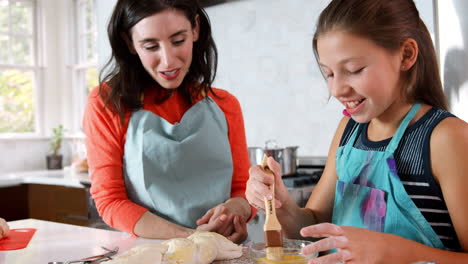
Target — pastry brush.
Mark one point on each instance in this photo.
(272, 227)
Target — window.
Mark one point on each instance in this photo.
(85, 71)
(18, 66)
(48, 65)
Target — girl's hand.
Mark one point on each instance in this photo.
(354, 245)
(4, 229)
(257, 186)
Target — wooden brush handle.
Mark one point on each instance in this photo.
(271, 221)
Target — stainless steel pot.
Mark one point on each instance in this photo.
(286, 157)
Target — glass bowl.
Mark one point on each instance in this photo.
(291, 248)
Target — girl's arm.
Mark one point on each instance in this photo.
(360, 245)
(320, 205)
(319, 208)
(449, 152)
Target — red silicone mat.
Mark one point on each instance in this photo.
(17, 239)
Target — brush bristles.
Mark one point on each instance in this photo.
(274, 244)
(274, 253)
(273, 238)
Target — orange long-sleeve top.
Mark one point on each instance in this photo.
(105, 140)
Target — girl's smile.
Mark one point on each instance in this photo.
(364, 77)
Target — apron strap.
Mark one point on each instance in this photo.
(357, 131)
(396, 138)
(402, 128)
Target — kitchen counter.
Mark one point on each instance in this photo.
(61, 242)
(49, 177)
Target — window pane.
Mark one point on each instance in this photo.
(4, 50)
(21, 18)
(90, 18)
(16, 101)
(91, 47)
(91, 79)
(21, 50)
(4, 16)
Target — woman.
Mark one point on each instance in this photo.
(394, 185)
(167, 152)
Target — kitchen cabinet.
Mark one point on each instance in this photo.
(55, 203)
(14, 202)
(58, 204)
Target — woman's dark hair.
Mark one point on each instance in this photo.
(124, 72)
(388, 24)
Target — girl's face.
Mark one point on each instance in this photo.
(364, 77)
(164, 43)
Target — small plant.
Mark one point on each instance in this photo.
(56, 139)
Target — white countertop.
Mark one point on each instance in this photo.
(62, 242)
(50, 177)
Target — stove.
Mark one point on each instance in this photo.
(301, 184)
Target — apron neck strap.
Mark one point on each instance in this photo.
(396, 138)
(402, 128)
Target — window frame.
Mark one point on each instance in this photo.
(36, 68)
(79, 66)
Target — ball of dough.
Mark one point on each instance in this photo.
(207, 250)
(180, 250)
(226, 248)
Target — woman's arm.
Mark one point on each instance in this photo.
(105, 139)
(153, 226)
(237, 205)
(238, 144)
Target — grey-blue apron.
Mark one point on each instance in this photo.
(179, 171)
(370, 194)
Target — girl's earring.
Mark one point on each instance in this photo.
(403, 67)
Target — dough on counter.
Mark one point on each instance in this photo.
(198, 248)
(180, 250)
(226, 249)
(141, 254)
(206, 248)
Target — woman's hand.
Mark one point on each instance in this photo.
(4, 229)
(354, 245)
(257, 186)
(228, 219)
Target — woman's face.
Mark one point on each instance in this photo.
(364, 77)
(164, 43)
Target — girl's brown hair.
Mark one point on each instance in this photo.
(388, 24)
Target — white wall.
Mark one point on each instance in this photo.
(266, 60)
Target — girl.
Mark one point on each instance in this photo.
(394, 186)
(158, 135)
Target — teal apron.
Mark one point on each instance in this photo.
(370, 194)
(179, 171)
